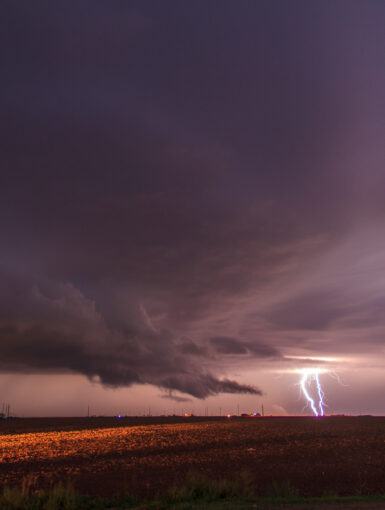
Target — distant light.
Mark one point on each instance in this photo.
(119, 416)
(229, 416)
(313, 373)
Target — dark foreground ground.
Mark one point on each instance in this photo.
(146, 456)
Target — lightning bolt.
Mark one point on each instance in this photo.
(304, 379)
(309, 374)
(320, 394)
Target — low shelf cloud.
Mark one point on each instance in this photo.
(53, 327)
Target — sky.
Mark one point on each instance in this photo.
(192, 205)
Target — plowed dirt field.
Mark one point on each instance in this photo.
(343, 455)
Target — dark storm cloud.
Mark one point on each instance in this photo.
(312, 310)
(189, 347)
(188, 170)
(176, 398)
(319, 310)
(228, 345)
(263, 350)
(49, 326)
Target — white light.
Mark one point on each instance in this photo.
(309, 374)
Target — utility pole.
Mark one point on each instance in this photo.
(238, 409)
(263, 411)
